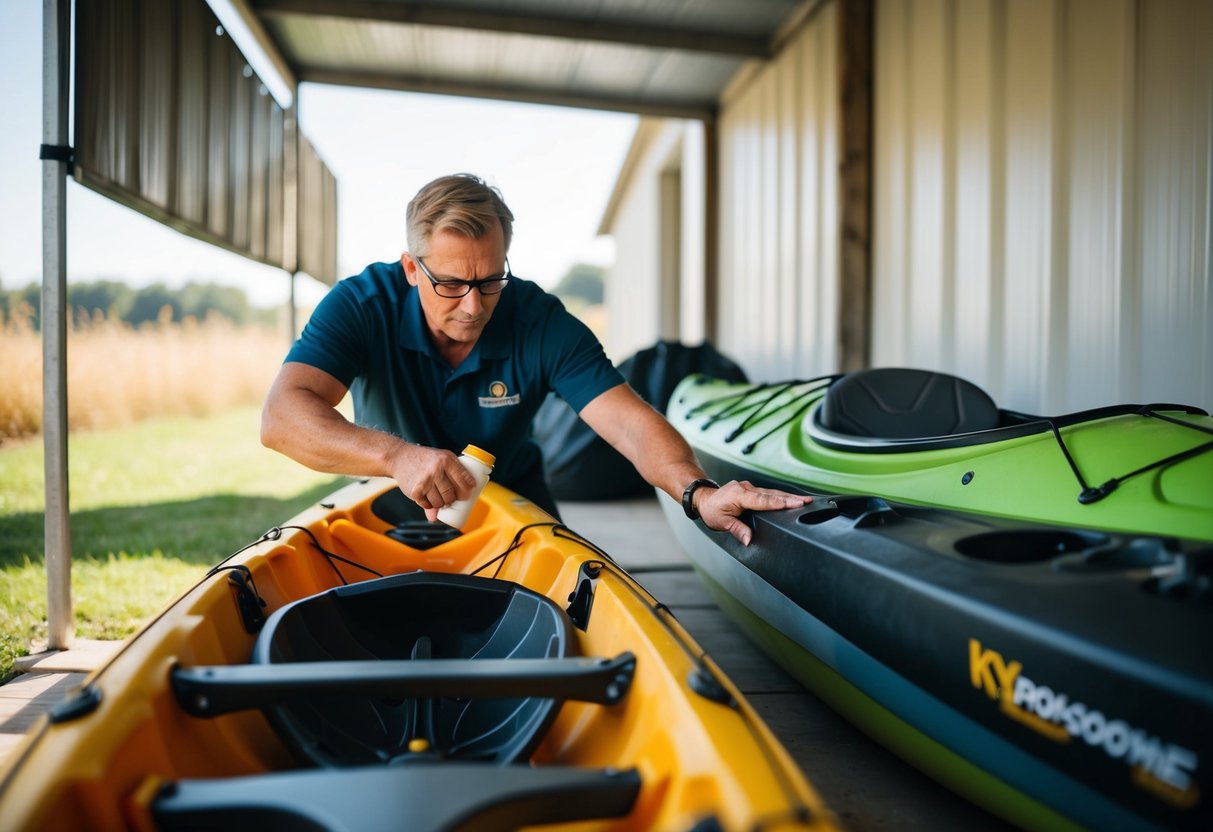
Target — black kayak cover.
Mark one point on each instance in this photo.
(581, 466)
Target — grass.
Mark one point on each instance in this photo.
(153, 505)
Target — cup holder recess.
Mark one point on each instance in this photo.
(1028, 545)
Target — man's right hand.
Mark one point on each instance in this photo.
(431, 478)
(300, 419)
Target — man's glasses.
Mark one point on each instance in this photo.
(459, 288)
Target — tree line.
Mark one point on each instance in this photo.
(137, 306)
(117, 301)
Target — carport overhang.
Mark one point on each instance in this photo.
(668, 58)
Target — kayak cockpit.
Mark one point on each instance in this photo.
(899, 410)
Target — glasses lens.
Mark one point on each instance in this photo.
(492, 287)
(451, 290)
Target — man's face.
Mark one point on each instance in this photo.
(457, 321)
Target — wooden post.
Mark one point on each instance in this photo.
(856, 42)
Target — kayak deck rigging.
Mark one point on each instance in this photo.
(756, 405)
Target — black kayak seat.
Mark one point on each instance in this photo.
(414, 616)
(423, 798)
(903, 403)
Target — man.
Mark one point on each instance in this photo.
(446, 347)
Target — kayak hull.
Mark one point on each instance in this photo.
(111, 757)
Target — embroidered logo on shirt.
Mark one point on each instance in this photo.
(499, 396)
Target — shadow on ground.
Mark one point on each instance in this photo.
(201, 531)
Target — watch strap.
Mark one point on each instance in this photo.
(688, 494)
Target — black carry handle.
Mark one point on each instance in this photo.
(219, 689)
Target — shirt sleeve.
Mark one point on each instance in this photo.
(578, 368)
(335, 337)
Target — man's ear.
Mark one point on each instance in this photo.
(410, 268)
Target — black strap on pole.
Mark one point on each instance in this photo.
(59, 153)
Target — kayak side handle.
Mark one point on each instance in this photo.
(211, 690)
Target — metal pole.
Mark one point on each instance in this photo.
(290, 209)
(56, 26)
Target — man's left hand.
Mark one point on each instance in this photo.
(721, 509)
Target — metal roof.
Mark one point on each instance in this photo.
(656, 57)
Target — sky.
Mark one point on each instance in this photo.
(555, 167)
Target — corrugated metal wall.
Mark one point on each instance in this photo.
(171, 121)
(655, 287)
(317, 226)
(1044, 178)
(779, 211)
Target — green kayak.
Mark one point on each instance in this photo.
(1021, 606)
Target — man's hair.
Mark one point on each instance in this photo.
(461, 202)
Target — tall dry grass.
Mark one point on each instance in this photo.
(117, 374)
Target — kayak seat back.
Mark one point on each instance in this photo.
(902, 403)
(420, 615)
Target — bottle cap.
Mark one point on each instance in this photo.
(480, 454)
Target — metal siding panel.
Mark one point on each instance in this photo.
(733, 128)
(329, 274)
(727, 214)
(275, 186)
(195, 29)
(808, 210)
(893, 185)
(157, 104)
(977, 60)
(219, 89)
(779, 156)
(107, 75)
(310, 200)
(747, 194)
(750, 256)
(1080, 191)
(1176, 114)
(767, 321)
(1099, 370)
(929, 111)
(691, 278)
(156, 130)
(240, 148)
(825, 28)
(259, 161)
(1031, 86)
(788, 75)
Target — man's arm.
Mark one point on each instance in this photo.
(666, 461)
(300, 419)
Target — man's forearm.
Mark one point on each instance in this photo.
(645, 438)
(313, 433)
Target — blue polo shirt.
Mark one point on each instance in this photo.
(369, 333)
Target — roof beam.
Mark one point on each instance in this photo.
(701, 110)
(547, 25)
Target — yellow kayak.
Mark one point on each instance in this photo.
(358, 668)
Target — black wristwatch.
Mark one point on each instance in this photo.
(688, 504)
